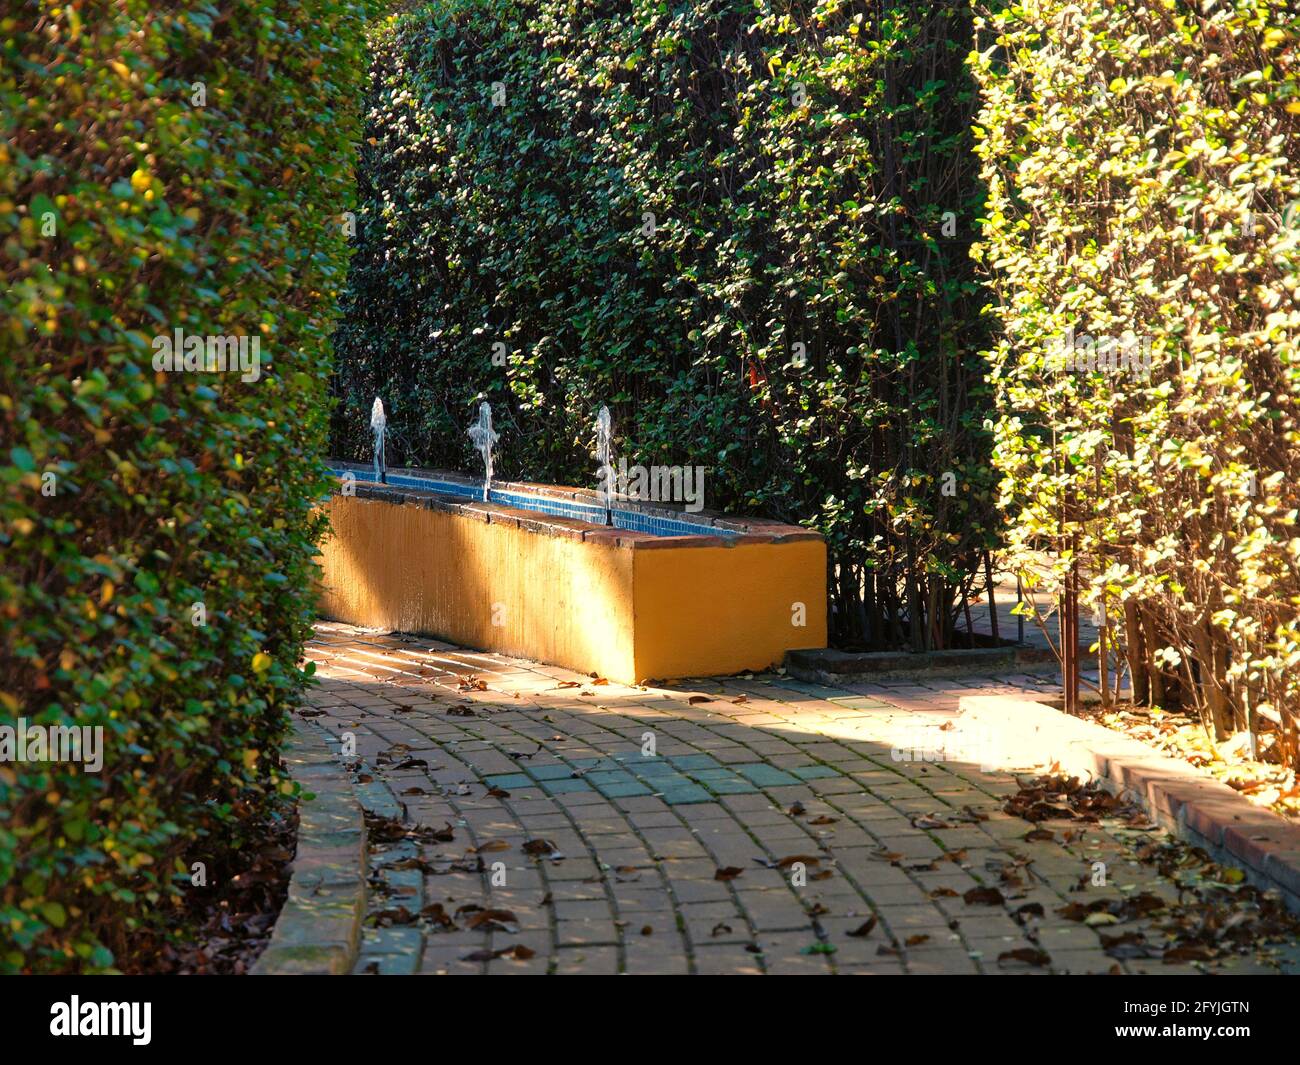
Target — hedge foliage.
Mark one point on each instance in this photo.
(162, 166)
(743, 226)
(1141, 160)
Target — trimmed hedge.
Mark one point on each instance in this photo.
(743, 227)
(1141, 160)
(161, 169)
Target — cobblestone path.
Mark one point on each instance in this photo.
(526, 818)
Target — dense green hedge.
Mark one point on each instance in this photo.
(178, 166)
(1142, 166)
(743, 226)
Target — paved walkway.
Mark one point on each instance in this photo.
(526, 818)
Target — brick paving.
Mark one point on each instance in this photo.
(750, 824)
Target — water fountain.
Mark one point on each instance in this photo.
(605, 456)
(484, 437)
(596, 581)
(379, 425)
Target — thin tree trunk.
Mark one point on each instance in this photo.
(1069, 631)
(1135, 651)
(1211, 687)
(1156, 674)
(993, 606)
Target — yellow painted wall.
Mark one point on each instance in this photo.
(417, 570)
(715, 610)
(626, 613)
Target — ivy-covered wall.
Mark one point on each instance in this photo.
(1143, 245)
(162, 167)
(744, 227)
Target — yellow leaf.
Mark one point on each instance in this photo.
(261, 662)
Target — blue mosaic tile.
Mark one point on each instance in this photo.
(549, 772)
(653, 767)
(672, 780)
(509, 780)
(687, 793)
(765, 776)
(564, 787)
(712, 774)
(814, 772)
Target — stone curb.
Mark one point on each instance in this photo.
(1199, 809)
(825, 665)
(318, 931)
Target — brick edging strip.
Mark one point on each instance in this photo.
(319, 928)
(1197, 808)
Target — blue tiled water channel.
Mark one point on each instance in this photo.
(632, 520)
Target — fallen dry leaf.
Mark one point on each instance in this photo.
(541, 848)
(983, 896)
(518, 951)
(1028, 955)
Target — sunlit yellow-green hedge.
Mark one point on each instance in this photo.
(1143, 165)
(162, 167)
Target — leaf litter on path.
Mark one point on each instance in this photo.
(1215, 913)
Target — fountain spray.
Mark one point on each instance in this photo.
(605, 456)
(484, 437)
(379, 425)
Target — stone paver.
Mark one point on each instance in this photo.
(529, 819)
